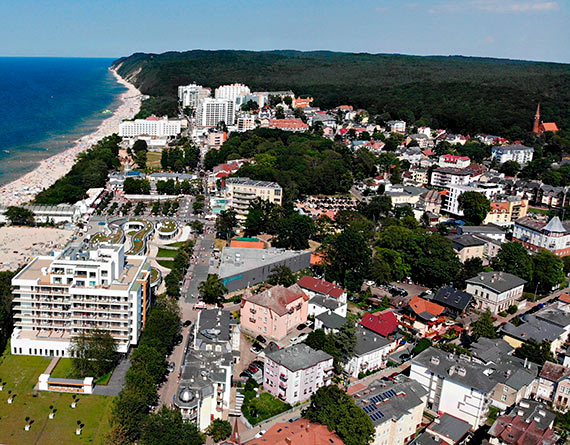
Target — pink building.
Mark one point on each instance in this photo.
(274, 312)
(295, 373)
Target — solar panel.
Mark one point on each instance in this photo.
(368, 409)
(376, 415)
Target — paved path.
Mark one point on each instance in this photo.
(529, 305)
(117, 381)
(198, 270)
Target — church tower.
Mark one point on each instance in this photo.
(536, 124)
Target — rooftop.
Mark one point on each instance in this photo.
(300, 432)
(554, 371)
(297, 357)
(497, 281)
(368, 341)
(451, 427)
(383, 322)
(425, 309)
(463, 241)
(534, 328)
(507, 148)
(555, 316)
(488, 350)
(252, 183)
(213, 326)
(331, 320)
(540, 225)
(319, 286)
(277, 298)
(453, 298)
(237, 260)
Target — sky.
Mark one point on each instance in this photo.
(515, 29)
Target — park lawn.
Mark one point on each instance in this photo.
(153, 159)
(265, 406)
(64, 369)
(166, 253)
(166, 263)
(20, 374)
(537, 210)
(176, 244)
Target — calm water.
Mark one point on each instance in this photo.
(47, 103)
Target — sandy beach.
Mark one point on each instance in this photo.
(49, 170)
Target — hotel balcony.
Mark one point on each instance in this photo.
(283, 386)
(283, 377)
(282, 396)
(252, 310)
(252, 319)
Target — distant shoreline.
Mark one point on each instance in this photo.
(49, 170)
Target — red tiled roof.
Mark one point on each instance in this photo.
(550, 126)
(296, 124)
(554, 371)
(449, 157)
(564, 298)
(428, 152)
(300, 432)
(277, 298)
(515, 430)
(247, 244)
(383, 323)
(320, 286)
(420, 306)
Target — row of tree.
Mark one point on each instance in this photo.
(6, 321)
(179, 266)
(181, 157)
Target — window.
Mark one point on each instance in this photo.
(504, 397)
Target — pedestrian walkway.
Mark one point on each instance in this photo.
(117, 381)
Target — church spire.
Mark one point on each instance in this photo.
(536, 124)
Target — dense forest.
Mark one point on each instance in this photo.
(463, 94)
(302, 163)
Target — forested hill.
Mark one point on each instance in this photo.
(464, 94)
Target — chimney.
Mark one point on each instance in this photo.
(288, 441)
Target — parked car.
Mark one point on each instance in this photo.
(253, 368)
(261, 339)
(258, 363)
(310, 323)
(293, 340)
(293, 419)
(178, 339)
(370, 283)
(302, 337)
(171, 366)
(186, 323)
(246, 374)
(256, 348)
(301, 326)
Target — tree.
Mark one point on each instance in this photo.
(282, 276)
(219, 430)
(332, 407)
(20, 216)
(279, 114)
(197, 226)
(483, 327)
(514, 258)
(212, 290)
(510, 168)
(470, 268)
(316, 339)
(548, 271)
(94, 353)
(346, 341)
(475, 207)
(167, 427)
(421, 346)
(226, 222)
(294, 231)
(538, 353)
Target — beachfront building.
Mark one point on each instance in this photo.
(294, 374)
(213, 111)
(75, 291)
(191, 95)
(152, 126)
(241, 191)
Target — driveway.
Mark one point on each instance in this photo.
(116, 382)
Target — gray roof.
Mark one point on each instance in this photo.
(386, 401)
(534, 328)
(554, 316)
(517, 147)
(497, 281)
(453, 298)
(462, 241)
(449, 366)
(555, 225)
(512, 371)
(331, 320)
(329, 303)
(297, 357)
(213, 327)
(241, 259)
(451, 427)
(252, 183)
(481, 229)
(368, 341)
(488, 350)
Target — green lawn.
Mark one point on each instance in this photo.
(537, 210)
(166, 253)
(177, 244)
(138, 237)
(21, 374)
(153, 159)
(154, 274)
(166, 263)
(64, 369)
(263, 407)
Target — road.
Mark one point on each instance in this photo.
(528, 306)
(199, 267)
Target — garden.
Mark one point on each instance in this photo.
(257, 409)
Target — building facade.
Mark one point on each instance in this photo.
(231, 92)
(517, 153)
(538, 235)
(241, 191)
(155, 127)
(451, 200)
(293, 374)
(495, 291)
(75, 291)
(191, 95)
(449, 160)
(213, 111)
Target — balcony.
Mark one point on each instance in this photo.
(252, 310)
(283, 377)
(252, 319)
(283, 386)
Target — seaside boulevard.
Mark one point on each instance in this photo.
(51, 169)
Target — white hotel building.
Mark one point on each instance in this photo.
(191, 95)
(213, 111)
(58, 297)
(154, 127)
(231, 92)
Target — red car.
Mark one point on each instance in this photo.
(253, 368)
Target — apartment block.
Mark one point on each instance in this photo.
(293, 374)
(191, 95)
(77, 290)
(241, 191)
(538, 235)
(213, 111)
(517, 153)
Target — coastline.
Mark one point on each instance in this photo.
(49, 170)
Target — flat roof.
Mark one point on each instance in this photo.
(239, 259)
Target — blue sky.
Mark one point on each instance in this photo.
(517, 29)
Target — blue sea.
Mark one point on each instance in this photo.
(47, 104)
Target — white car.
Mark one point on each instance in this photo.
(293, 340)
(302, 337)
(370, 283)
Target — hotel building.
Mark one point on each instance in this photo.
(75, 291)
(213, 111)
(241, 191)
(538, 235)
(157, 127)
(231, 92)
(191, 95)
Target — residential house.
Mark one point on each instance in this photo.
(514, 379)
(506, 210)
(495, 291)
(397, 126)
(274, 312)
(313, 286)
(423, 316)
(454, 300)
(486, 350)
(293, 374)
(431, 201)
(528, 423)
(448, 429)
(216, 330)
(538, 235)
(536, 329)
(299, 432)
(329, 322)
(455, 384)
(517, 153)
(558, 315)
(420, 176)
(449, 160)
(395, 409)
(371, 351)
(467, 246)
(320, 304)
(489, 231)
(384, 323)
(554, 385)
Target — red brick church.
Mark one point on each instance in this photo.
(539, 127)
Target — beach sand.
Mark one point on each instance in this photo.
(18, 245)
(49, 170)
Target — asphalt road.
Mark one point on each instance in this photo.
(198, 270)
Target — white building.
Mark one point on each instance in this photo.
(75, 291)
(495, 291)
(537, 235)
(320, 304)
(370, 353)
(451, 200)
(231, 92)
(518, 153)
(449, 160)
(455, 385)
(191, 95)
(241, 191)
(245, 123)
(155, 127)
(213, 111)
(446, 176)
(397, 126)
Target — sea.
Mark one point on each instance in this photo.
(47, 104)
